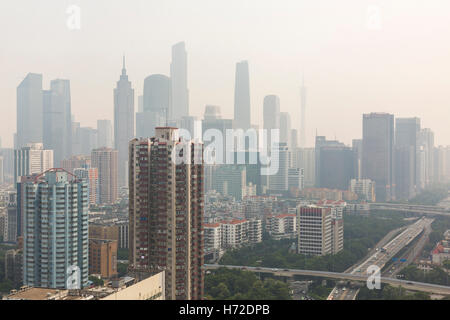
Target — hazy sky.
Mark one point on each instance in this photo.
(354, 60)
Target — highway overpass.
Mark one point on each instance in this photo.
(410, 285)
(413, 208)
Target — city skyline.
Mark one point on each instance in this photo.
(350, 68)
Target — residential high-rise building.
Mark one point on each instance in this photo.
(179, 103)
(104, 134)
(314, 230)
(166, 211)
(91, 175)
(378, 153)
(29, 110)
(407, 132)
(31, 159)
(106, 162)
(57, 125)
(364, 188)
(80, 161)
(242, 111)
(123, 122)
(55, 231)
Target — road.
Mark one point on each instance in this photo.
(409, 285)
(423, 210)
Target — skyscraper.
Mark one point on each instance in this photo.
(55, 217)
(31, 159)
(407, 132)
(166, 212)
(314, 229)
(179, 104)
(336, 167)
(378, 153)
(123, 121)
(303, 115)
(57, 132)
(285, 128)
(156, 100)
(29, 110)
(271, 112)
(104, 134)
(106, 161)
(242, 111)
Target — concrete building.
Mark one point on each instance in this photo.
(103, 257)
(407, 166)
(296, 178)
(57, 125)
(336, 167)
(213, 237)
(123, 123)
(279, 182)
(282, 225)
(31, 159)
(13, 267)
(364, 188)
(55, 231)
(91, 175)
(29, 111)
(378, 153)
(242, 112)
(166, 211)
(104, 134)
(230, 180)
(78, 161)
(179, 103)
(314, 230)
(106, 162)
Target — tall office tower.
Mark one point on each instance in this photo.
(378, 153)
(279, 182)
(55, 229)
(314, 230)
(212, 120)
(426, 141)
(293, 145)
(242, 111)
(31, 159)
(155, 111)
(166, 212)
(336, 167)
(123, 122)
(140, 103)
(192, 125)
(406, 151)
(271, 112)
(357, 157)
(285, 128)
(84, 139)
(106, 162)
(90, 175)
(296, 178)
(306, 159)
(29, 110)
(179, 103)
(104, 134)
(230, 180)
(322, 142)
(57, 131)
(8, 164)
(2, 175)
(303, 115)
